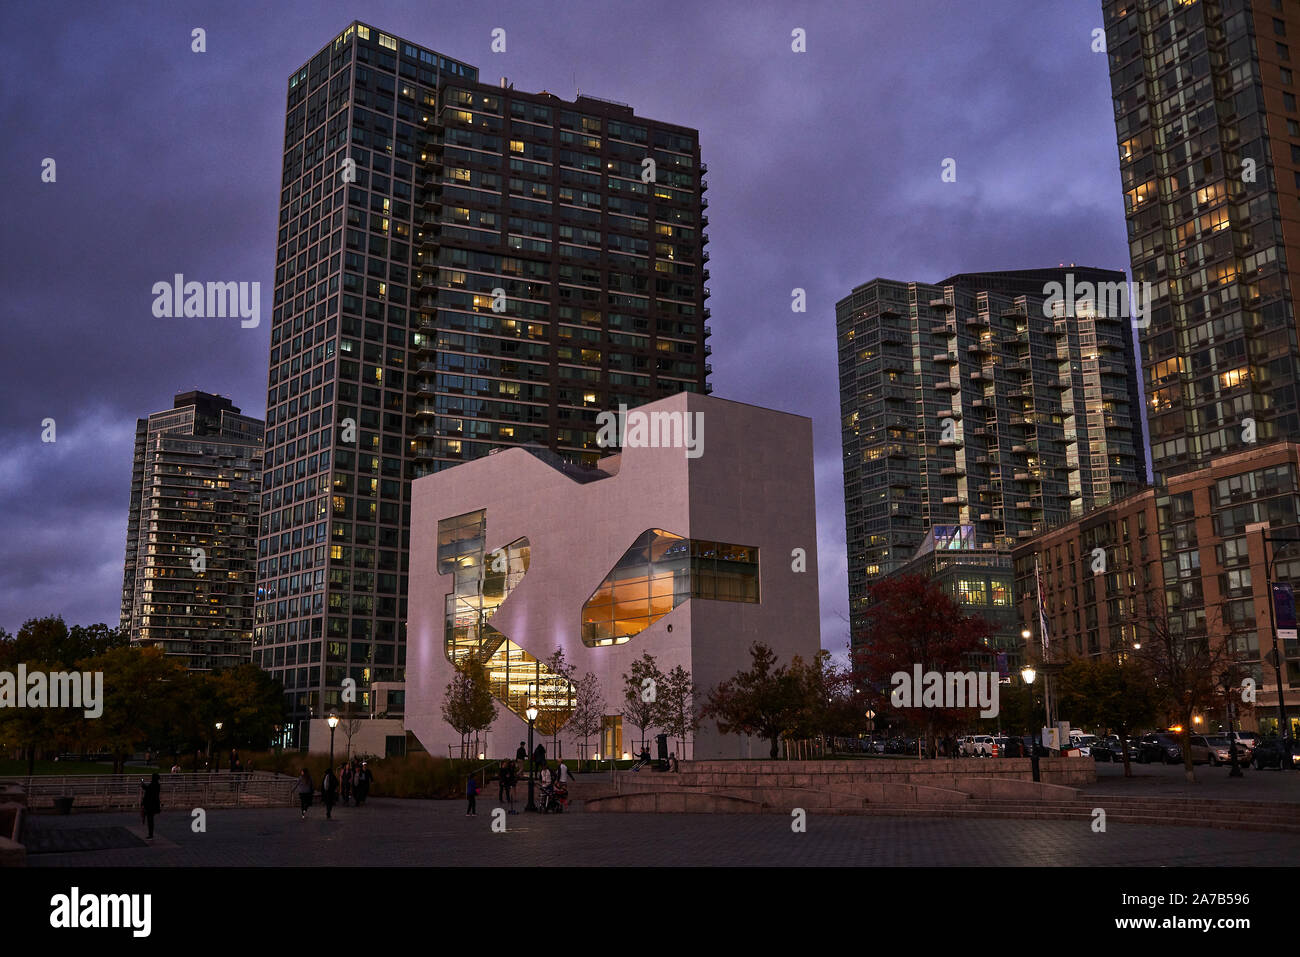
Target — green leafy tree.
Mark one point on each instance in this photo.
(250, 704)
(765, 701)
(139, 700)
(1116, 697)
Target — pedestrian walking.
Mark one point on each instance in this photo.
(471, 795)
(512, 776)
(305, 789)
(501, 781)
(539, 756)
(329, 791)
(345, 783)
(150, 801)
(361, 784)
(522, 754)
(562, 773)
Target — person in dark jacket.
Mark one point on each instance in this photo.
(345, 780)
(329, 791)
(471, 796)
(522, 754)
(361, 783)
(539, 757)
(512, 776)
(151, 801)
(305, 788)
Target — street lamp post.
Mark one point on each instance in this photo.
(333, 722)
(1028, 674)
(217, 759)
(532, 762)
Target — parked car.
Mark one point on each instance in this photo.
(1083, 743)
(1271, 751)
(1159, 747)
(1008, 747)
(1214, 749)
(1110, 748)
(1245, 739)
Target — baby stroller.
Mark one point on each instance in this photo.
(554, 797)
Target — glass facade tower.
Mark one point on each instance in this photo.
(460, 267)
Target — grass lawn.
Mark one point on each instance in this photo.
(18, 769)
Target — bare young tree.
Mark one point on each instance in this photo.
(588, 709)
(558, 697)
(641, 690)
(680, 712)
(467, 702)
(1186, 664)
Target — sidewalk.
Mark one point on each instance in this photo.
(1159, 780)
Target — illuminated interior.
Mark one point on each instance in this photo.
(480, 583)
(659, 572)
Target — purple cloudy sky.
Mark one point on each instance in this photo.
(824, 172)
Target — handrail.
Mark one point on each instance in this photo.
(122, 791)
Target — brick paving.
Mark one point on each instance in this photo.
(390, 832)
(1159, 780)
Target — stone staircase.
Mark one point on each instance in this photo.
(970, 797)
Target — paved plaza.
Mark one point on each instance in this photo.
(414, 833)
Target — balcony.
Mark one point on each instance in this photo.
(945, 358)
(944, 385)
(940, 304)
(983, 375)
(425, 409)
(952, 470)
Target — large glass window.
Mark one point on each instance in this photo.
(481, 582)
(659, 572)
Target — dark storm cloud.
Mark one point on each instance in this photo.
(824, 172)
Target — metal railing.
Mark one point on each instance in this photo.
(104, 792)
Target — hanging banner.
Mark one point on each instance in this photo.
(1284, 610)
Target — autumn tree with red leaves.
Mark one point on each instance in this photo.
(911, 620)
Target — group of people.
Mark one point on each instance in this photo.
(352, 783)
(508, 772)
